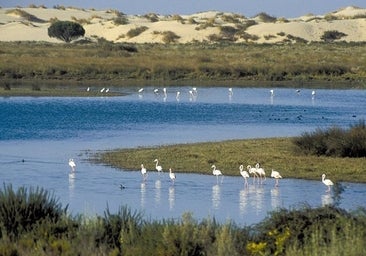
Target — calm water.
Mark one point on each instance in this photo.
(46, 132)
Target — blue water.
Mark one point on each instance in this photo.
(39, 135)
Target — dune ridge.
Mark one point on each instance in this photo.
(31, 24)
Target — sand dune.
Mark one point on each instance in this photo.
(31, 24)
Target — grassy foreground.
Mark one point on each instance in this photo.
(271, 153)
(33, 222)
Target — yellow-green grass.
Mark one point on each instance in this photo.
(271, 153)
(177, 62)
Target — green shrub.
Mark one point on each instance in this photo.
(332, 35)
(169, 37)
(66, 30)
(136, 31)
(295, 228)
(121, 228)
(21, 210)
(334, 141)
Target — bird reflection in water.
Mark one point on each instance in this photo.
(243, 200)
(216, 196)
(157, 191)
(171, 197)
(275, 198)
(257, 196)
(327, 199)
(143, 193)
(71, 184)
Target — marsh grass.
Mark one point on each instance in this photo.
(237, 62)
(271, 153)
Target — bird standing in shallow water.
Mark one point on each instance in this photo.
(327, 182)
(172, 175)
(276, 175)
(157, 166)
(216, 172)
(143, 172)
(72, 164)
(244, 174)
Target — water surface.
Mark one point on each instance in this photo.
(39, 135)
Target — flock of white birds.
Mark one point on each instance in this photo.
(257, 172)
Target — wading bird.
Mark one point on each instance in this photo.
(157, 166)
(72, 164)
(276, 175)
(172, 175)
(260, 171)
(216, 172)
(244, 174)
(327, 182)
(143, 172)
(253, 171)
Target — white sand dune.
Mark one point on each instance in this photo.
(31, 24)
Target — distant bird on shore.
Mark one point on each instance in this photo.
(141, 90)
(72, 164)
(102, 90)
(327, 182)
(272, 93)
(313, 93)
(276, 175)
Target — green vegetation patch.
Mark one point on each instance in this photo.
(271, 153)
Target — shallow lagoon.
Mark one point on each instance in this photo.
(46, 132)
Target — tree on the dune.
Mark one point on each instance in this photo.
(66, 30)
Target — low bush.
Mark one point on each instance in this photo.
(21, 210)
(334, 141)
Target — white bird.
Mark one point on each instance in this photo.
(156, 91)
(327, 182)
(231, 91)
(244, 174)
(276, 175)
(194, 90)
(157, 166)
(164, 91)
(107, 90)
(253, 171)
(272, 93)
(216, 172)
(143, 172)
(313, 93)
(171, 175)
(102, 90)
(72, 164)
(141, 90)
(260, 171)
(88, 89)
(178, 95)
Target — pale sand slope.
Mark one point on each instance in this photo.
(16, 26)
